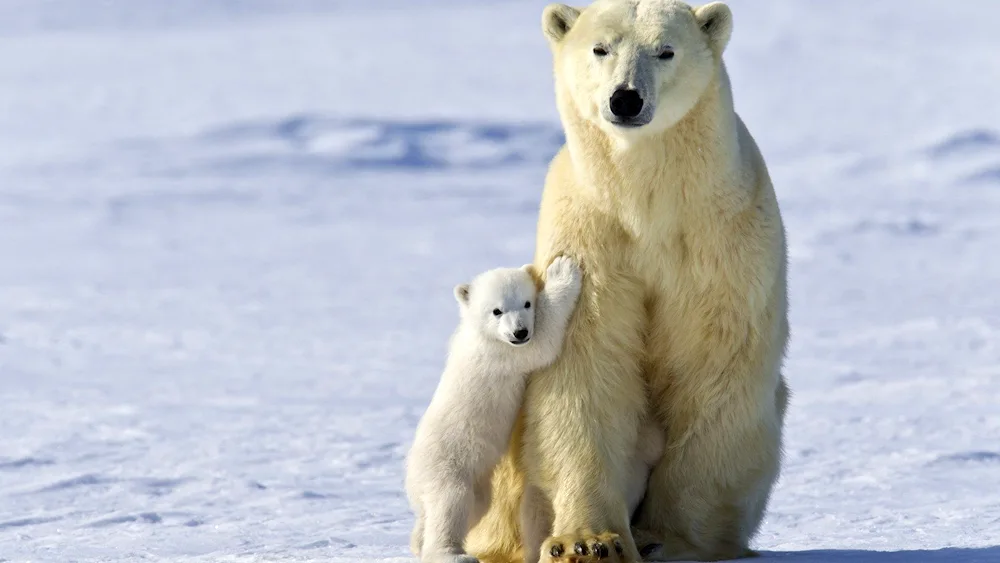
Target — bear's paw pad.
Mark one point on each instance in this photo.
(583, 548)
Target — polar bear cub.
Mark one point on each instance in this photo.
(508, 328)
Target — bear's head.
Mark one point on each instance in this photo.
(500, 303)
(635, 67)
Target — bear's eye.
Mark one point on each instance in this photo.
(497, 312)
(666, 54)
(600, 51)
(527, 304)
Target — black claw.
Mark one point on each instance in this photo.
(580, 548)
(557, 550)
(619, 548)
(646, 550)
(600, 550)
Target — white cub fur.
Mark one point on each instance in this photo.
(508, 329)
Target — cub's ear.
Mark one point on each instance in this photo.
(557, 19)
(716, 22)
(462, 294)
(535, 276)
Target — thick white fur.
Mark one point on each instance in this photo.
(682, 318)
(468, 424)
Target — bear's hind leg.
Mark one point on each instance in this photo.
(707, 495)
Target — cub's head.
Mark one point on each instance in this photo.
(635, 67)
(501, 304)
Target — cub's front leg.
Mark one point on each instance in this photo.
(556, 303)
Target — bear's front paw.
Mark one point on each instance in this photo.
(565, 272)
(584, 548)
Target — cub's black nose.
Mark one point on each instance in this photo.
(521, 333)
(626, 103)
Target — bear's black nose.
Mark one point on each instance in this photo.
(521, 333)
(626, 103)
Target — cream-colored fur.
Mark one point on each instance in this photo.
(683, 313)
(536, 508)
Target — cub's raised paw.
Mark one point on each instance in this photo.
(584, 548)
(563, 271)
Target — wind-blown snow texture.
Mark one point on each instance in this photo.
(229, 232)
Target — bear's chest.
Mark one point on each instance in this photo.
(698, 269)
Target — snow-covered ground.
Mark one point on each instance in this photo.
(229, 232)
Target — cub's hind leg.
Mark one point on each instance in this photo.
(446, 521)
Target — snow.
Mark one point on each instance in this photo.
(229, 233)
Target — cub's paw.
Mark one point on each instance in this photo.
(564, 271)
(584, 548)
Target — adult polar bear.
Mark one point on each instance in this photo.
(662, 195)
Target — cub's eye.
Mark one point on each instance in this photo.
(600, 51)
(497, 312)
(666, 54)
(527, 304)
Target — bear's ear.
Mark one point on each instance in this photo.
(462, 294)
(557, 19)
(716, 22)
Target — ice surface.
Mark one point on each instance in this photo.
(229, 232)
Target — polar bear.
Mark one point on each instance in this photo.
(507, 329)
(662, 192)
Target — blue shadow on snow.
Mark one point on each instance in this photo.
(946, 555)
